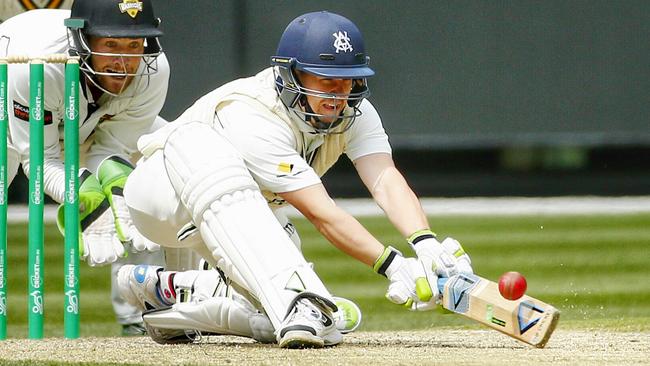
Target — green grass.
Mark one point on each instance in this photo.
(97, 317)
(595, 269)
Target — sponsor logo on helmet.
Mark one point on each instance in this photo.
(342, 42)
(131, 7)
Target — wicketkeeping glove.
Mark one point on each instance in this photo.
(112, 174)
(408, 283)
(98, 242)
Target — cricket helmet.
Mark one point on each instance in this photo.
(114, 19)
(326, 45)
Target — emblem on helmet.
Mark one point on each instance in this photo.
(342, 42)
(131, 7)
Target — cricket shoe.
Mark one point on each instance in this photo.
(348, 316)
(133, 329)
(140, 286)
(309, 324)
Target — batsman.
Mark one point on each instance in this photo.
(214, 181)
(123, 84)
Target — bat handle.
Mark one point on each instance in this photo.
(441, 283)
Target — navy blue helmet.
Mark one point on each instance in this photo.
(326, 45)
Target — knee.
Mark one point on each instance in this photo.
(203, 166)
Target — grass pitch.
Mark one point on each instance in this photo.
(594, 268)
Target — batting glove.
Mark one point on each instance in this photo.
(98, 242)
(463, 262)
(112, 174)
(439, 260)
(408, 283)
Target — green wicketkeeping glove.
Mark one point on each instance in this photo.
(98, 242)
(112, 174)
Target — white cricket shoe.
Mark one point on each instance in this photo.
(138, 285)
(308, 325)
(348, 316)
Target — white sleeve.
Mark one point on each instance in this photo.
(18, 98)
(367, 135)
(119, 134)
(268, 148)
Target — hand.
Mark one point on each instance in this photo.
(463, 262)
(408, 282)
(112, 174)
(98, 242)
(433, 255)
(124, 227)
(463, 265)
(439, 260)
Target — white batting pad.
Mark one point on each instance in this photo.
(235, 221)
(203, 166)
(220, 315)
(287, 225)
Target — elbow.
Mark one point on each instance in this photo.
(380, 189)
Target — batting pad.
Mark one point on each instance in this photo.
(235, 221)
(220, 315)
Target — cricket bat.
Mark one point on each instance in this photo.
(526, 319)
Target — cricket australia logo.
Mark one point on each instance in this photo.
(3, 111)
(342, 42)
(37, 112)
(71, 111)
(131, 7)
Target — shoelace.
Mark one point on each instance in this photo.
(306, 308)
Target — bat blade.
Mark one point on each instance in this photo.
(526, 319)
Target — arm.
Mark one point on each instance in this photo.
(18, 116)
(339, 227)
(119, 135)
(392, 193)
(346, 233)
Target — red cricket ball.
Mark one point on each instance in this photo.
(512, 285)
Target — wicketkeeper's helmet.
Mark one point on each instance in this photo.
(326, 45)
(114, 19)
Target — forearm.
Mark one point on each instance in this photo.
(53, 178)
(397, 200)
(349, 236)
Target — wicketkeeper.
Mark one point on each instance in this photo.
(123, 84)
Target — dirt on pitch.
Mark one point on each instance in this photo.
(443, 347)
